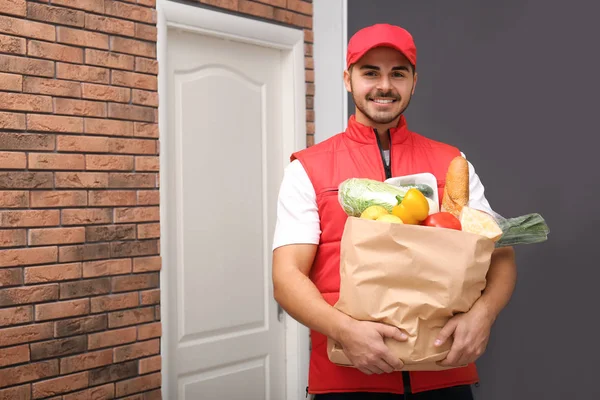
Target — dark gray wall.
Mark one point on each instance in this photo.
(514, 84)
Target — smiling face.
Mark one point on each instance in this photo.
(382, 83)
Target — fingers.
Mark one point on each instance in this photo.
(392, 332)
(446, 332)
(394, 362)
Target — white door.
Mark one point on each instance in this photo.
(223, 160)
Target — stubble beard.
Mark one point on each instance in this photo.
(384, 118)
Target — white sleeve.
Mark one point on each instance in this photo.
(477, 198)
(297, 213)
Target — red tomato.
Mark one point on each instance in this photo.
(443, 220)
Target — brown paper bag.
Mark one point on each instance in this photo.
(412, 277)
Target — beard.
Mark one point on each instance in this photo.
(379, 117)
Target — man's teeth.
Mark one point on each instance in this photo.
(383, 101)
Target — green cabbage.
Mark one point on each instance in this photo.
(356, 194)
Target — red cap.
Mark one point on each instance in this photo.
(381, 35)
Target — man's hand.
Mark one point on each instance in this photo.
(362, 342)
(471, 332)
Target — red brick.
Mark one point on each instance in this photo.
(276, 3)
(87, 287)
(145, 32)
(148, 197)
(145, 98)
(152, 3)
(139, 384)
(108, 59)
(38, 237)
(106, 267)
(129, 283)
(14, 355)
(109, 25)
(146, 264)
(29, 218)
(150, 364)
(146, 65)
(22, 27)
(81, 38)
(56, 161)
(300, 6)
(310, 115)
(54, 123)
(310, 89)
(227, 4)
(11, 277)
(86, 144)
(81, 180)
(58, 198)
(14, 199)
(25, 180)
(12, 160)
(16, 393)
(13, 237)
(108, 163)
(57, 15)
(13, 45)
(86, 216)
(132, 46)
(309, 63)
(130, 112)
(18, 141)
(149, 231)
(51, 273)
(79, 107)
(106, 93)
(136, 316)
(145, 130)
(28, 372)
(78, 326)
(149, 331)
(114, 302)
(24, 334)
(15, 315)
(135, 80)
(129, 11)
(52, 387)
(17, 257)
(86, 361)
(62, 309)
(26, 66)
(25, 102)
(54, 87)
(112, 338)
(134, 180)
(28, 294)
(106, 233)
(88, 5)
(96, 393)
(11, 82)
(112, 198)
(308, 36)
(132, 146)
(82, 73)
(84, 252)
(148, 297)
(108, 127)
(55, 51)
(136, 350)
(136, 214)
(257, 9)
(14, 7)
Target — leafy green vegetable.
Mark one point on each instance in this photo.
(356, 194)
(526, 229)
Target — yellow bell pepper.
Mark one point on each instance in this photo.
(413, 209)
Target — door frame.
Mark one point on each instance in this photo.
(195, 18)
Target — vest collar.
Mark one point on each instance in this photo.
(366, 134)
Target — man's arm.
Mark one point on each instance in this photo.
(471, 330)
(362, 341)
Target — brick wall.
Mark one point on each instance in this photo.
(79, 215)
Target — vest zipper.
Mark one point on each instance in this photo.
(387, 168)
(388, 175)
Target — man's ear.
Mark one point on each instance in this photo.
(414, 84)
(347, 80)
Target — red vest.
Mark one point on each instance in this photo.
(355, 154)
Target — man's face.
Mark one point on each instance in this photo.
(382, 83)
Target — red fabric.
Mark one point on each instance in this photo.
(381, 35)
(355, 154)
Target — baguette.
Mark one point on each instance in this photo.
(456, 190)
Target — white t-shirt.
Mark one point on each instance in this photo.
(297, 211)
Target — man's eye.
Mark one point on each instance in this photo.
(398, 75)
(370, 73)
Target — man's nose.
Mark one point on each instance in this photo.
(384, 84)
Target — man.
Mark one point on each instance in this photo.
(381, 75)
